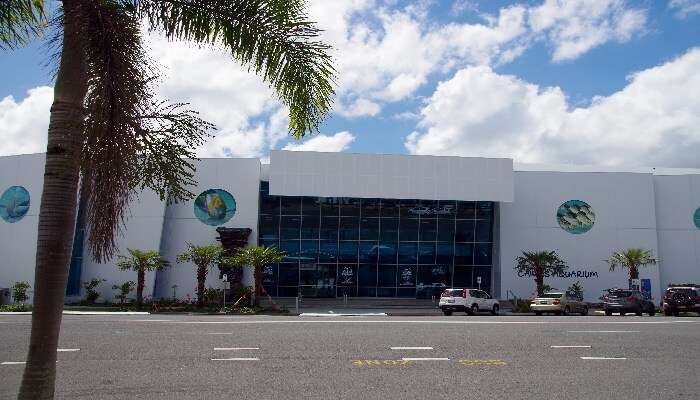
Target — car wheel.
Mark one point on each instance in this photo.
(494, 310)
(567, 311)
(668, 313)
(584, 312)
(538, 313)
(608, 312)
(676, 313)
(557, 313)
(652, 311)
(622, 313)
(474, 309)
(638, 312)
(447, 312)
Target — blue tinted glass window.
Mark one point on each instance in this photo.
(269, 227)
(369, 229)
(367, 275)
(464, 253)
(389, 229)
(328, 251)
(390, 208)
(406, 275)
(485, 274)
(290, 205)
(269, 273)
(447, 209)
(329, 206)
(408, 253)
(350, 207)
(309, 251)
(386, 292)
(409, 209)
(482, 254)
(432, 280)
(269, 205)
(289, 274)
(368, 252)
(406, 292)
(483, 231)
(269, 243)
(484, 210)
(289, 227)
(386, 275)
(310, 206)
(408, 229)
(310, 227)
(347, 275)
(347, 252)
(367, 291)
(290, 249)
(446, 230)
(462, 276)
(444, 253)
(349, 228)
(428, 230)
(466, 210)
(370, 207)
(329, 228)
(464, 231)
(387, 253)
(428, 209)
(426, 253)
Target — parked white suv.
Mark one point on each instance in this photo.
(470, 301)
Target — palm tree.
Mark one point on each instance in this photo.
(257, 257)
(540, 264)
(108, 131)
(141, 261)
(204, 257)
(632, 259)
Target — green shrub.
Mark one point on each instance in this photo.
(521, 305)
(15, 308)
(213, 296)
(19, 291)
(91, 295)
(124, 290)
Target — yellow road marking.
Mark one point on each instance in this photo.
(376, 363)
(464, 361)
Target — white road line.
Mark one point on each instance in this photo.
(424, 359)
(411, 348)
(603, 358)
(235, 348)
(67, 349)
(236, 359)
(421, 322)
(570, 347)
(13, 363)
(603, 331)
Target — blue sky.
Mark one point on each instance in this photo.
(580, 81)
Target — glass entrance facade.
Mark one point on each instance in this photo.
(375, 247)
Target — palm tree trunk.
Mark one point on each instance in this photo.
(56, 216)
(634, 272)
(201, 279)
(141, 279)
(539, 280)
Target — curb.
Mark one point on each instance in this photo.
(343, 315)
(84, 313)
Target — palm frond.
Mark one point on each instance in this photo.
(20, 21)
(272, 37)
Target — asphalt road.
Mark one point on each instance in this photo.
(458, 357)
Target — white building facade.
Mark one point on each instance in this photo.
(388, 225)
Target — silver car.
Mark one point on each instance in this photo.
(558, 303)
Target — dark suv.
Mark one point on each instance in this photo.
(627, 301)
(685, 297)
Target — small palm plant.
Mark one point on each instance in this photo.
(141, 261)
(124, 290)
(540, 264)
(257, 257)
(632, 259)
(204, 257)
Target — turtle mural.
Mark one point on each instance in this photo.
(214, 207)
(576, 217)
(14, 204)
(696, 218)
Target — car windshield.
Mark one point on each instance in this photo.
(452, 293)
(687, 291)
(551, 295)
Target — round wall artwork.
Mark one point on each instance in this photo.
(214, 207)
(697, 218)
(14, 203)
(576, 216)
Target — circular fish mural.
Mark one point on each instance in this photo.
(697, 218)
(214, 207)
(576, 216)
(14, 203)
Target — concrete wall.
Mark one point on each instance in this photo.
(677, 198)
(142, 231)
(241, 178)
(18, 239)
(624, 205)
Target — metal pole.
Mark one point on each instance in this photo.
(297, 304)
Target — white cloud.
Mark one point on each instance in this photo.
(335, 143)
(576, 26)
(654, 120)
(24, 124)
(685, 8)
(358, 108)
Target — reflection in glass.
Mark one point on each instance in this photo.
(290, 205)
(310, 227)
(349, 228)
(464, 231)
(408, 230)
(408, 253)
(289, 227)
(369, 229)
(387, 253)
(386, 275)
(426, 253)
(347, 252)
(389, 229)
